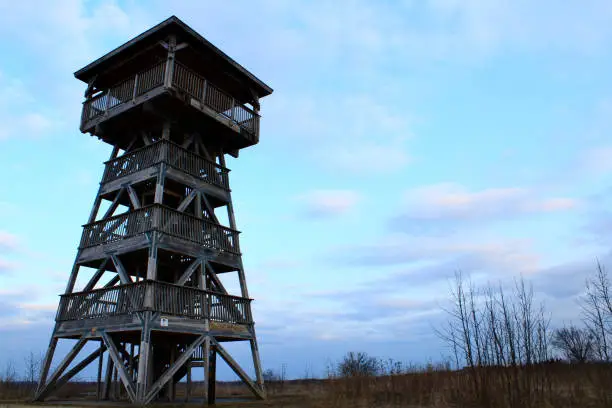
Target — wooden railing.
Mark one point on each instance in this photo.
(132, 162)
(164, 219)
(174, 155)
(183, 79)
(197, 166)
(127, 90)
(167, 298)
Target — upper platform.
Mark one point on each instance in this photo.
(170, 72)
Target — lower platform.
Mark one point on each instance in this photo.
(125, 325)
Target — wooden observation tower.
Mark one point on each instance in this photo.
(171, 105)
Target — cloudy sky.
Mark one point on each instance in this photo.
(404, 140)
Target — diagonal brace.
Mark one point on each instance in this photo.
(260, 393)
(114, 355)
(169, 373)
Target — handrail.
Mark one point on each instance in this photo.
(167, 298)
(175, 156)
(183, 79)
(157, 217)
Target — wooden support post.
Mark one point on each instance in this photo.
(115, 384)
(99, 384)
(144, 360)
(171, 383)
(48, 387)
(212, 374)
(108, 379)
(94, 210)
(198, 206)
(44, 372)
(159, 187)
(170, 62)
(188, 385)
(135, 92)
(256, 361)
(73, 277)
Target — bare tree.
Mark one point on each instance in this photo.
(358, 365)
(597, 312)
(574, 343)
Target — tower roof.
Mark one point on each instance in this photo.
(173, 25)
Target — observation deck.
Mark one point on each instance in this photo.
(184, 308)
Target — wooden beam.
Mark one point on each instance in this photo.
(187, 141)
(44, 372)
(181, 46)
(146, 138)
(133, 197)
(143, 358)
(189, 271)
(211, 372)
(159, 186)
(114, 355)
(169, 373)
(132, 141)
(94, 279)
(198, 205)
(99, 384)
(114, 204)
(215, 279)
(238, 370)
(108, 378)
(125, 278)
(187, 200)
(48, 387)
(77, 368)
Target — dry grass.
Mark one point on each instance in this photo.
(546, 385)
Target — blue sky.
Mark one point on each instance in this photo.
(404, 140)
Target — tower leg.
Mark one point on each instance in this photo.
(188, 389)
(144, 360)
(47, 363)
(99, 383)
(108, 378)
(212, 375)
(257, 363)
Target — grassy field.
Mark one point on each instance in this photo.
(552, 384)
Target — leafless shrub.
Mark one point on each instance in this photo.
(575, 344)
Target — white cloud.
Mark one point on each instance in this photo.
(8, 241)
(454, 201)
(328, 203)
